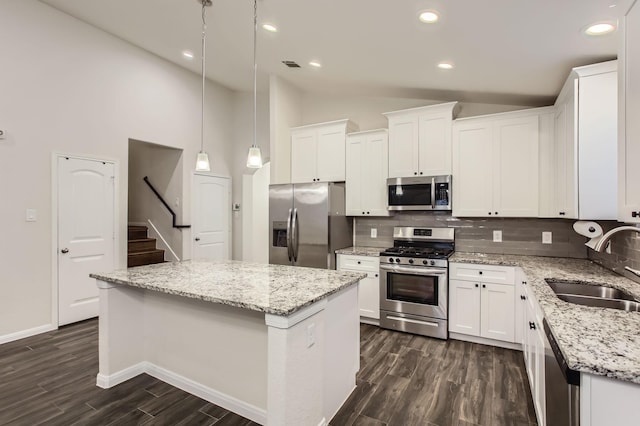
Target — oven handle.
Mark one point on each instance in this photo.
(412, 321)
(416, 270)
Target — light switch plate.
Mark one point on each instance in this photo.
(374, 233)
(32, 215)
(547, 237)
(497, 236)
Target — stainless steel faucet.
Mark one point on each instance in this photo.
(602, 242)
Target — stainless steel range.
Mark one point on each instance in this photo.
(414, 281)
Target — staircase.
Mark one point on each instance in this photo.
(142, 250)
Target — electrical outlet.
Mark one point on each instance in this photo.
(547, 237)
(497, 236)
(311, 334)
(374, 233)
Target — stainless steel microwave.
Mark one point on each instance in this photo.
(419, 193)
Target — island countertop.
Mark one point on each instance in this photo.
(599, 341)
(272, 289)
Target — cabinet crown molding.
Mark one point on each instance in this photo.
(454, 107)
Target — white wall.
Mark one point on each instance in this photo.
(366, 111)
(243, 137)
(255, 215)
(285, 102)
(68, 87)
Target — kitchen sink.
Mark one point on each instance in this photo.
(595, 295)
(625, 305)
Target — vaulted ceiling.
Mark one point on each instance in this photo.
(504, 51)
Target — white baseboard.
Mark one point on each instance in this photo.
(26, 333)
(225, 401)
(484, 341)
(106, 382)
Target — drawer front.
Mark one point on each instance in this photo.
(358, 263)
(482, 273)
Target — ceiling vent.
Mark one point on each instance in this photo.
(291, 64)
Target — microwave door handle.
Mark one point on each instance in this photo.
(433, 193)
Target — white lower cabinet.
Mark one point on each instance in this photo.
(369, 287)
(533, 348)
(482, 301)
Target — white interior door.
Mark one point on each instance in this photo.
(86, 235)
(210, 225)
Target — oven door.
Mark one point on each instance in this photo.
(414, 290)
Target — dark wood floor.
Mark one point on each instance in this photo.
(404, 380)
(412, 380)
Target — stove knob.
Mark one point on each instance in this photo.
(432, 262)
(410, 260)
(391, 259)
(425, 262)
(398, 260)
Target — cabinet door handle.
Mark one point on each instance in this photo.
(64, 251)
(562, 213)
(480, 272)
(523, 297)
(532, 325)
(484, 286)
(376, 275)
(489, 213)
(197, 238)
(496, 213)
(359, 262)
(635, 214)
(524, 282)
(420, 172)
(415, 173)
(477, 285)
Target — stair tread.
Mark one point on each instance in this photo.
(137, 227)
(139, 253)
(139, 240)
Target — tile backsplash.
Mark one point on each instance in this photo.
(519, 236)
(625, 251)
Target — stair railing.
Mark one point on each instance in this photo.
(173, 214)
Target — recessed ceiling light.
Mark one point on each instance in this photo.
(445, 65)
(428, 16)
(187, 54)
(600, 28)
(315, 64)
(270, 27)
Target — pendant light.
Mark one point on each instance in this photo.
(254, 157)
(202, 162)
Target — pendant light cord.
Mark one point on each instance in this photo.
(255, 71)
(204, 55)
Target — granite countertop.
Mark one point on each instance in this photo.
(598, 341)
(273, 289)
(361, 251)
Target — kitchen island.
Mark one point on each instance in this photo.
(276, 344)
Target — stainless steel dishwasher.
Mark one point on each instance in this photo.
(562, 386)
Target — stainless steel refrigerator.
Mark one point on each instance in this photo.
(307, 224)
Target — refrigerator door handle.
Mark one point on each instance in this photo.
(289, 242)
(294, 231)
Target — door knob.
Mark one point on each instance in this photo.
(197, 238)
(64, 251)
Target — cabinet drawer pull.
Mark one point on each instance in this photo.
(523, 297)
(480, 272)
(562, 213)
(532, 325)
(635, 214)
(376, 275)
(484, 286)
(477, 285)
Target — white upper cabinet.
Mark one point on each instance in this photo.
(318, 152)
(420, 140)
(366, 176)
(495, 165)
(629, 123)
(586, 144)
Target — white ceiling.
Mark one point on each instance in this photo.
(505, 51)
